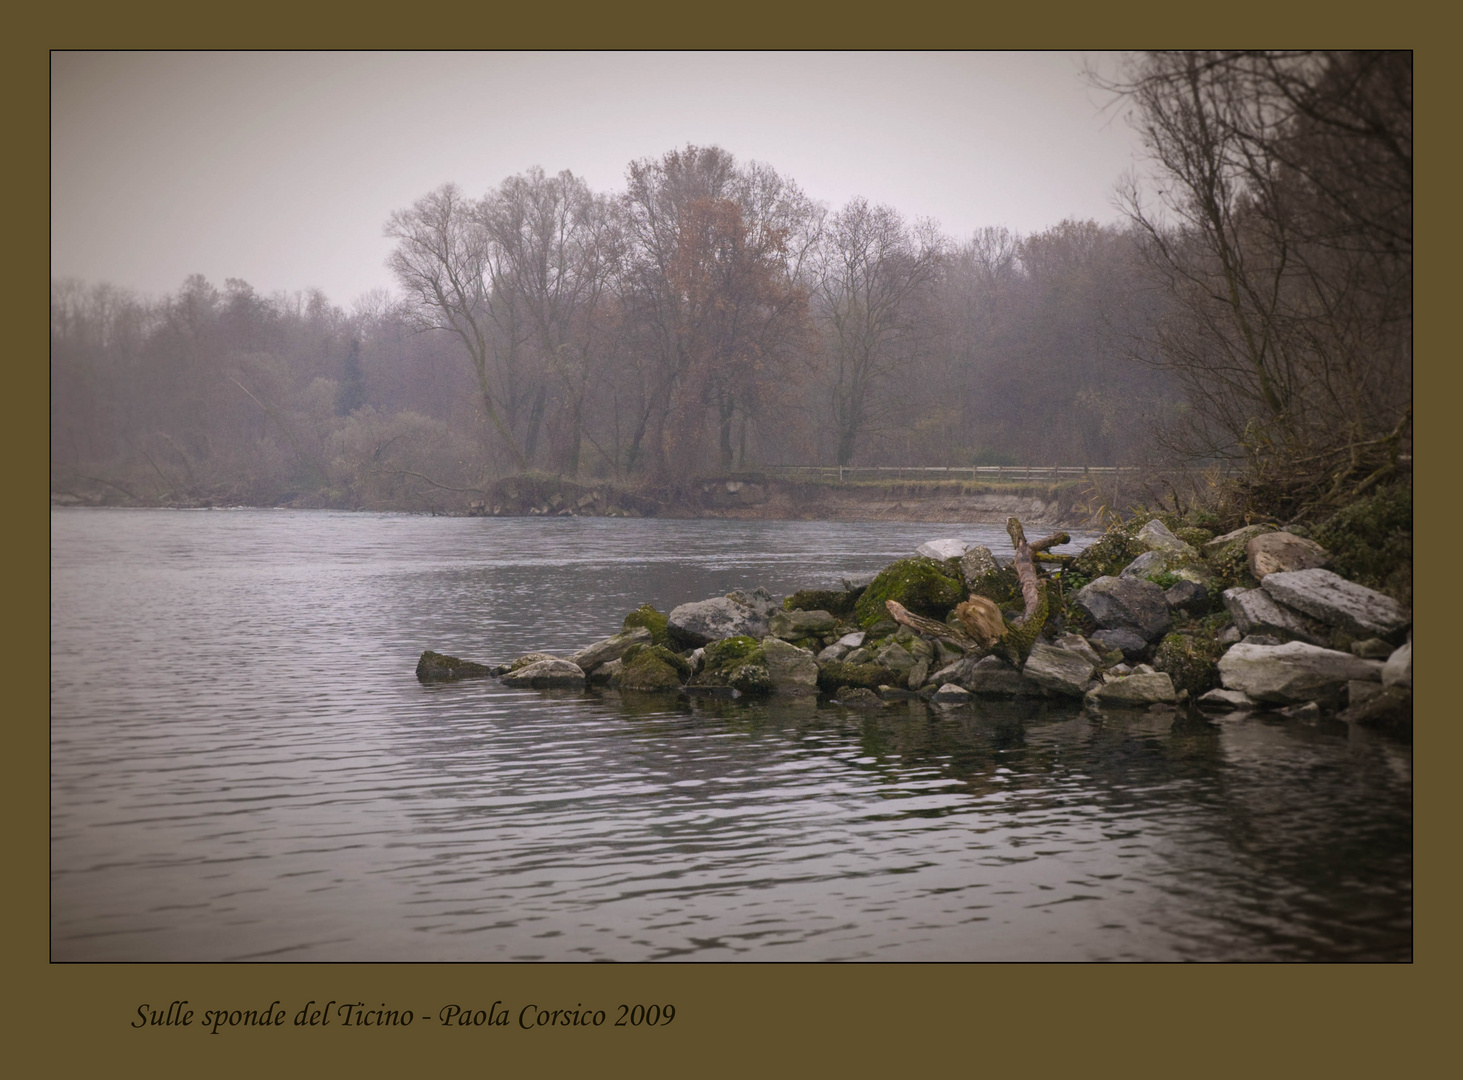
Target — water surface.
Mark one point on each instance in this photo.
(243, 766)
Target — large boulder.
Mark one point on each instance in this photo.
(836, 674)
(924, 586)
(651, 669)
(654, 621)
(1254, 611)
(1279, 552)
(438, 667)
(1134, 691)
(1058, 670)
(1130, 644)
(792, 670)
(1126, 604)
(942, 549)
(739, 662)
(705, 621)
(610, 648)
(542, 674)
(1337, 602)
(1294, 672)
(1187, 596)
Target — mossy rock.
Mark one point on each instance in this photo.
(439, 667)
(1370, 541)
(834, 602)
(1195, 537)
(661, 653)
(722, 660)
(833, 674)
(1116, 549)
(651, 668)
(1191, 661)
(751, 679)
(1000, 586)
(652, 620)
(924, 586)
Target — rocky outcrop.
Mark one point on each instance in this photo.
(1337, 602)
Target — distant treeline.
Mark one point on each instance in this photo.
(711, 317)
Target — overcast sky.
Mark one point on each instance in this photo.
(282, 168)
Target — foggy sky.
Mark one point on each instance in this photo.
(282, 168)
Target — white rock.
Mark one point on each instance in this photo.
(1397, 671)
(942, 549)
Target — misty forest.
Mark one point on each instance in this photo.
(1250, 318)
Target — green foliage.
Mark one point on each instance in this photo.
(1115, 550)
(1191, 660)
(1164, 580)
(1370, 541)
(654, 621)
(1193, 536)
(734, 661)
(836, 603)
(924, 586)
(664, 655)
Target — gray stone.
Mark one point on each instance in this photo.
(919, 673)
(792, 625)
(1222, 700)
(1397, 671)
(792, 670)
(1126, 604)
(836, 651)
(546, 673)
(895, 657)
(531, 658)
(942, 549)
(610, 648)
(1277, 552)
(1360, 691)
(857, 583)
(1132, 691)
(993, 677)
(1392, 708)
(759, 600)
(1187, 596)
(1373, 648)
(1058, 670)
(976, 564)
(1229, 635)
(1255, 611)
(705, 621)
(853, 640)
(950, 694)
(1150, 562)
(1076, 643)
(894, 693)
(439, 667)
(1128, 643)
(859, 698)
(1293, 672)
(605, 673)
(860, 655)
(1219, 543)
(1267, 640)
(1337, 602)
(1157, 537)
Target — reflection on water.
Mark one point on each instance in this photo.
(243, 766)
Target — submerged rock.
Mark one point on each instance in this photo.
(439, 667)
(542, 674)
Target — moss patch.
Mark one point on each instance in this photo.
(833, 674)
(1370, 541)
(835, 603)
(1191, 661)
(652, 620)
(438, 667)
(924, 586)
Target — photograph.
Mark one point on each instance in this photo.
(730, 507)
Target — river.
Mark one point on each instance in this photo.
(244, 767)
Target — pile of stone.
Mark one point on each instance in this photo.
(1288, 635)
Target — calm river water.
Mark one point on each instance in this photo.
(244, 767)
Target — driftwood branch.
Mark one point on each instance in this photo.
(930, 627)
(1026, 567)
